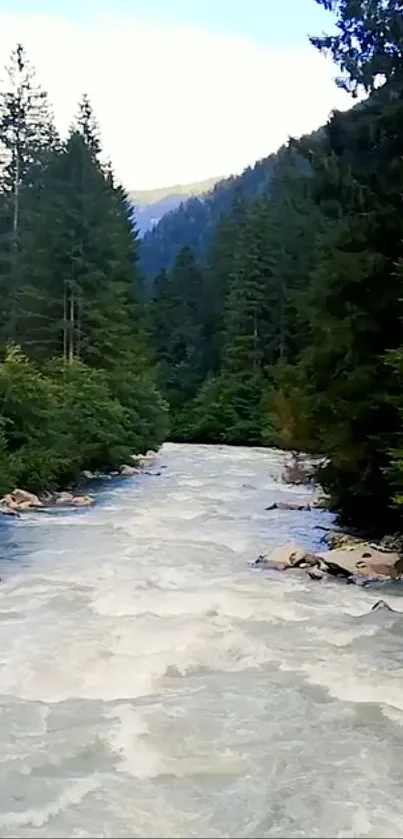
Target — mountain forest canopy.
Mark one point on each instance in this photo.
(275, 305)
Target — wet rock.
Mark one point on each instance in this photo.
(68, 499)
(125, 469)
(142, 460)
(63, 497)
(360, 565)
(21, 496)
(316, 574)
(289, 505)
(282, 556)
(88, 475)
(19, 501)
(83, 501)
(307, 560)
(365, 562)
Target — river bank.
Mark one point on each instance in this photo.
(21, 501)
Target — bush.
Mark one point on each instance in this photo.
(61, 418)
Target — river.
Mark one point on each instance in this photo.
(153, 684)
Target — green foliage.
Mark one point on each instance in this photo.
(60, 418)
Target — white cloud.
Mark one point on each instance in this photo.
(175, 104)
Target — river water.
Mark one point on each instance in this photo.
(153, 684)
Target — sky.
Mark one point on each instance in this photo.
(183, 89)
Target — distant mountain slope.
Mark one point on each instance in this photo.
(194, 221)
(152, 204)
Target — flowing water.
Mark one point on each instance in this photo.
(153, 684)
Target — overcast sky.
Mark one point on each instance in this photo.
(183, 89)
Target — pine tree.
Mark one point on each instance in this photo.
(177, 316)
(353, 307)
(369, 44)
(27, 135)
(219, 268)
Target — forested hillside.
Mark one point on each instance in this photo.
(193, 223)
(280, 320)
(151, 205)
(77, 385)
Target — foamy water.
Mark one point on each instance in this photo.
(153, 684)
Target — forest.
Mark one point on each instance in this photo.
(77, 379)
(279, 320)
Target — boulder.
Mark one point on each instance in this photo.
(289, 505)
(142, 460)
(282, 557)
(363, 561)
(82, 501)
(125, 469)
(360, 565)
(64, 497)
(8, 502)
(21, 496)
(88, 475)
(18, 501)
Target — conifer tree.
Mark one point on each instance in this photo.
(27, 136)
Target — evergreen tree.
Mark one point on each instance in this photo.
(219, 268)
(369, 44)
(353, 307)
(177, 316)
(26, 136)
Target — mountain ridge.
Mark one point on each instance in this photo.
(150, 205)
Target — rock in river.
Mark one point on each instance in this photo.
(357, 564)
(18, 501)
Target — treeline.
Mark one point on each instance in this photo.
(290, 331)
(77, 383)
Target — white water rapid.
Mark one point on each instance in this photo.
(153, 684)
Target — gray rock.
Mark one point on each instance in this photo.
(316, 574)
(289, 505)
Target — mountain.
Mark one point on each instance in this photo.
(152, 204)
(193, 222)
